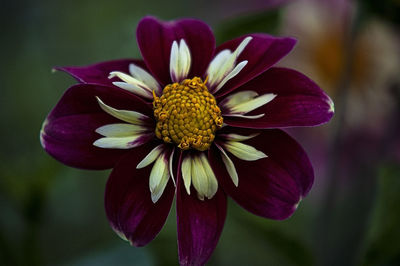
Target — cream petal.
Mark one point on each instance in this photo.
(145, 77)
(230, 167)
(237, 137)
(151, 157)
(238, 98)
(244, 151)
(180, 61)
(128, 79)
(118, 142)
(171, 170)
(212, 180)
(174, 61)
(223, 65)
(120, 130)
(184, 59)
(134, 89)
(203, 178)
(124, 115)
(245, 101)
(216, 65)
(253, 104)
(131, 84)
(245, 116)
(187, 172)
(159, 176)
(231, 74)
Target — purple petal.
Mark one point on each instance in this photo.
(128, 204)
(200, 224)
(299, 101)
(70, 140)
(155, 39)
(69, 130)
(262, 52)
(275, 184)
(98, 73)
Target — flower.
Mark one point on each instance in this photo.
(366, 60)
(192, 120)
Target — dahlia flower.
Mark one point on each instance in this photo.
(192, 120)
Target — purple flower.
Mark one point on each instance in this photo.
(192, 120)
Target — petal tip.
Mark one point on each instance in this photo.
(120, 234)
(297, 204)
(154, 197)
(43, 133)
(331, 106)
(293, 41)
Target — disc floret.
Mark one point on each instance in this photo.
(187, 114)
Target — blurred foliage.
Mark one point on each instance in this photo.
(267, 21)
(382, 245)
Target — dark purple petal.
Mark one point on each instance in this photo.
(70, 140)
(155, 39)
(299, 101)
(68, 132)
(128, 204)
(262, 52)
(200, 224)
(274, 185)
(98, 73)
(81, 99)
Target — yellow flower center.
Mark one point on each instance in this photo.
(187, 114)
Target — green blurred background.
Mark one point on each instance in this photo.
(53, 215)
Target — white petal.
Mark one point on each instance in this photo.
(145, 77)
(180, 60)
(171, 170)
(245, 116)
(128, 79)
(159, 176)
(134, 89)
(203, 178)
(120, 130)
(184, 59)
(237, 137)
(124, 115)
(242, 45)
(245, 101)
(174, 61)
(187, 172)
(253, 104)
(231, 74)
(151, 157)
(244, 151)
(218, 67)
(238, 98)
(118, 142)
(212, 180)
(230, 167)
(223, 64)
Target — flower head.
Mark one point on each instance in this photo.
(192, 120)
(334, 47)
